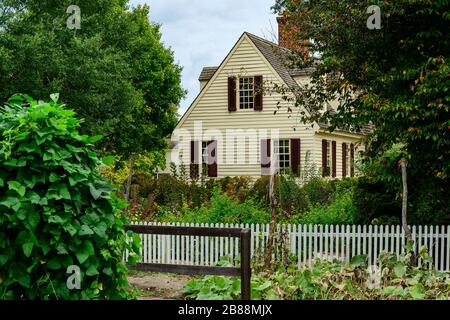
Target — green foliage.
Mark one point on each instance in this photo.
(55, 209)
(340, 210)
(334, 280)
(238, 188)
(395, 79)
(213, 288)
(115, 70)
(221, 209)
(378, 193)
(175, 198)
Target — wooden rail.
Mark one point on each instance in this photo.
(244, 271)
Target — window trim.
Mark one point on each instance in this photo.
(204, 163)
(329, 166)
(249, 106)
(349, 162)
(285, 165)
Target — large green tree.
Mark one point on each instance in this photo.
(396, 78)
(114, 71)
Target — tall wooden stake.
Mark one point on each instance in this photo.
(272, 226)
(405, 200)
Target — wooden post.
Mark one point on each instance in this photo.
(405, 200)
(246, 270)
(272, 225)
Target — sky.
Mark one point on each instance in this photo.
(202, 32)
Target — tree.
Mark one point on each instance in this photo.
(114, 71)
(394, 78)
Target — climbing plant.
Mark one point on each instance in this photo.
(56, 211)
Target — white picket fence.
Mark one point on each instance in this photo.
(305, 242)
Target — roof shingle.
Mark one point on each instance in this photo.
(207, 73)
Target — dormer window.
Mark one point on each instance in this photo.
(246, 93)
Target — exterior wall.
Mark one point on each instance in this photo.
(340, 139)
(209, 119)
(203, 84)
(211, 113)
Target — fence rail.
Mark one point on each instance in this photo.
(241, 234)
(305, 242)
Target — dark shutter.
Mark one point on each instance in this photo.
(265, 156)
(334, 158)
(194, 170)
(352, 160)
(344, 160)
(212, 159)
(295, 157)
(258, 93)
(232, 94)
(324, 159)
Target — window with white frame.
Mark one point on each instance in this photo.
(349, 163)
(329, 158)
(205, 156)
(282, 155)
(246, 92)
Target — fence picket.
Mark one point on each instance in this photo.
(448, 249)
(371, 261)
(320, 242)
(336, 255)
(299, 244)
(436, 247)
(304, 245)
(348, 245)
(315, 240)
(326, 242)
(442, 245)
(331, 254)
(430, 247)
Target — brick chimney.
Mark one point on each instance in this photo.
(282, 36)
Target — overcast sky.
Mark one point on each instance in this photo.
(202, 32)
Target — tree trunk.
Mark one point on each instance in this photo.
(405, 200)
(130, 176)
(272, 226)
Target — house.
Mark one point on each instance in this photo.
(230, 129)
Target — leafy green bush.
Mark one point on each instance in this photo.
(319, 191)
(378, 192)
(55, 209)
(221, 209)
(339, 210)
(237, 187)
(334, 280)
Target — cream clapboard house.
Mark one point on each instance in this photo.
(231, 129)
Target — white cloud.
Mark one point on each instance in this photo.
(202, 32)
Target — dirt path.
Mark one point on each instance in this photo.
(155, 286)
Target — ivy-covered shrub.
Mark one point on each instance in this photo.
(55, 209)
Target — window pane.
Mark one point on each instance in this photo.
(246, 93)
